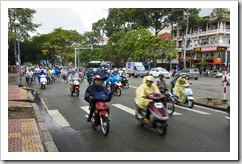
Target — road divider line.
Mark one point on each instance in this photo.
(193, 110)
(124, 108)
(133, 87)
(58, 119)
(210, 109)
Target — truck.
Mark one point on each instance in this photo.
(136, 69)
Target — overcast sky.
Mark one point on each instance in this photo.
(73, 18)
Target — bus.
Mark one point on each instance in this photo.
(98, 64)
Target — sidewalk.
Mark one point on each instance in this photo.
(27, 131)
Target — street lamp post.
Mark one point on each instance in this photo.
(77, 51)
(185, 44)
(17, 23)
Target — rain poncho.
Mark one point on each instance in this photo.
(99, 93)
(113, 79)
(178, 90)
(144, 90)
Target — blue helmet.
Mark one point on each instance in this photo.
(161, 74)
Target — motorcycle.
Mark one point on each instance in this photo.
(75, 85)
(29, 80)
(101, 116)
(90, 80)
(43, 81)
(158, 117)
(170, 101)
(125, 81)
(64, 78)
(189, 100)
(116, 88)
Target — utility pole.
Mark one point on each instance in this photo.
(185, 44)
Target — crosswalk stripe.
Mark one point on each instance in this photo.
(176, 114)
(58, 118)
(125, 108)
(85, 108)
(193, 110)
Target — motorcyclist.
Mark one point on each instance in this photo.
(123, 74)
(95, 93)
(160, 82)
(105, 74)
(173, 82)
(90, 74)
(42, 72)
(178, 90)
(64, 72)
(113, 78)
(71, 77)
(29, 74)
(48, 74)
(142, 92)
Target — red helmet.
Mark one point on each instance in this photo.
(97, 77)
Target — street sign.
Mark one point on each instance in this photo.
(221, 48)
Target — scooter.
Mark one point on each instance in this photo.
(29, 80)
(125, 81)
(158, 117)
(170, 101)
(43, 81)
(116, 88)
(101, 117)
(75, 85)
(188, 100)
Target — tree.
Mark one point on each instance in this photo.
(24, 16)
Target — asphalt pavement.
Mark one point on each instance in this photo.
(37, 130)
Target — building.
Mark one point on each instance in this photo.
(208, 43)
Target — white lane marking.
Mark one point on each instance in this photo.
(133, 87)
(131, 111)
(124, 108)
(85, 108)
(58, 118)
(177, 114)
(210, 109)
(193, 110)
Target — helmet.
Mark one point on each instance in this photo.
(97, 77)
(124, 69)
(72, 70)
(150, 78)
(183, 75)
(42, 69)
(161, 74)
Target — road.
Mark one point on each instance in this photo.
(190, 130)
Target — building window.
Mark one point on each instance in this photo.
(214, 40)
(204, 41)
(226, 40)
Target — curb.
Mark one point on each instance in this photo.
(45, 135)
(209, 106)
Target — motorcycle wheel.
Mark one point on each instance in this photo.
(170, 107)
(77, 93)
(161, 128)
(105, 127)
(118, 91)
(190, 103)
(140, 121)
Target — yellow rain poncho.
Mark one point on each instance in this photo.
(178, 90)
(144, 90)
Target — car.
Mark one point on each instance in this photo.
(215, 74)
(227, 78)
(158, 70)
(190, 73)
